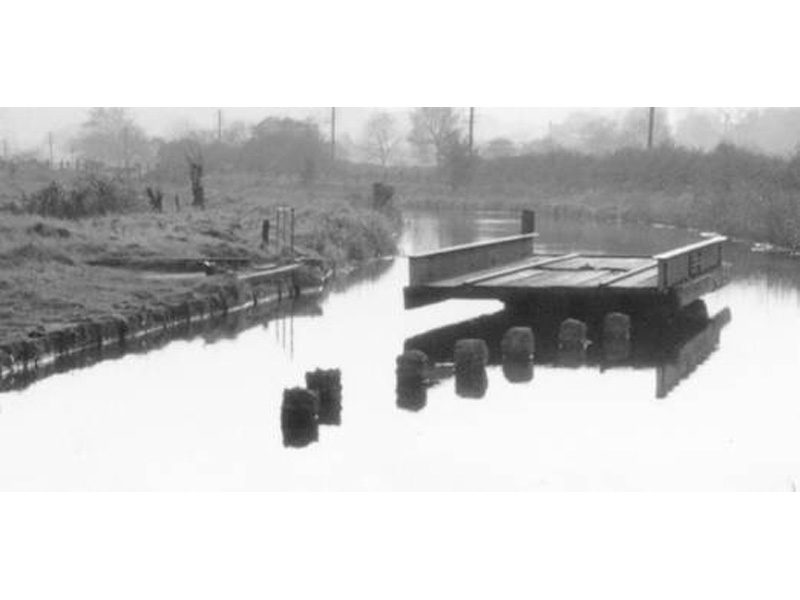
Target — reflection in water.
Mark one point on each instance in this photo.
(208, 416)
(673, 345)
(691, 351)
(518, 371)
(327, 384)
(472, 384)
(280, 317)
(299, 423)
(413, 399)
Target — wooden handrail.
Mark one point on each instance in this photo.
(469, 246)
(691, 248)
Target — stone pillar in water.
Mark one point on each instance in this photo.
(518, 348)
(518, 344)
(572, 342)
(470, 358)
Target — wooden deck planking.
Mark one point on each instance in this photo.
(559, 279)
(603, 263)
(487, 273)
(555, 274)
(673, 278)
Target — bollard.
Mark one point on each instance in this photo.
(411, 370)
(299, 423)
(518, 344)
(616, 327)
(470, 357)
(327, 384)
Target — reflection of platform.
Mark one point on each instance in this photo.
(690, 354)
(672, 346)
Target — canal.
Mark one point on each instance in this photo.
(713, 409)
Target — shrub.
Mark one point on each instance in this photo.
(91, 195)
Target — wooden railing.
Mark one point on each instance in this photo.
(687, 263)
(469, 258)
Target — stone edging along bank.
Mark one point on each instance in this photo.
(122, 332)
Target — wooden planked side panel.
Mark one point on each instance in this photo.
(645, 279)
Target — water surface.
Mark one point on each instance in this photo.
(194, 415)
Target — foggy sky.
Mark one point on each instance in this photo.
(28, 128)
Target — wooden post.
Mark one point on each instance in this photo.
(528, 222)
(265, 233)
(333, 134)
(292, 233)
(472, 131)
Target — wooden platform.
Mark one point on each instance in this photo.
(510, 271)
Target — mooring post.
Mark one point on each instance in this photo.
(518, 344)
(265, 233)
(528, 222)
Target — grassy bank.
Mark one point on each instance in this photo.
(729, 190)
(48, 273)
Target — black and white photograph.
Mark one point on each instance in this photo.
(270, 329)
(448, 298)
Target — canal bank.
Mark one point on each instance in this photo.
(69, 288)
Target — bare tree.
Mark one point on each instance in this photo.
(112, 136)
(381, 138)
(194, 156)
(432, 131)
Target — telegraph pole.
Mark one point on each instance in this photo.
(50, 144)
(650, 128)
(333, 134)
(471, 130)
